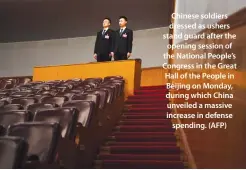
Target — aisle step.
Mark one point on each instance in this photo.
(143, 128)
(143, 137)
(145, 122)
(140, 164)
(113, 143)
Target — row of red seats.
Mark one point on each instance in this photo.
(58, 124)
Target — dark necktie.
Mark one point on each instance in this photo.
(103, 32)
(121, 31)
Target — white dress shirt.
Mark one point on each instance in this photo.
(123, 29)
(104, 30)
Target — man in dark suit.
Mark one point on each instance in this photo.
(103, 50)
(123, 40)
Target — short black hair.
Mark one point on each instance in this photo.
(107, 18)
(124, 17)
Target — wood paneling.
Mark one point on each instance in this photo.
(153, 76)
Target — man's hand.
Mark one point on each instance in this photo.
(95, 56)
(129, 55)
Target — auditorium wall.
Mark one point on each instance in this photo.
(19, 58)
(62, 32)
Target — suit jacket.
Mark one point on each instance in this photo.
(104, 43)
(123, 42)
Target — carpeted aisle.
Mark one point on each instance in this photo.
(144, 137)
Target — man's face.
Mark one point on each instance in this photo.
(122, 22)
(106, 23)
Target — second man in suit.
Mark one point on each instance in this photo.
(104, 46)
(123, 40)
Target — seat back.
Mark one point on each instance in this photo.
(77, 91)
(42, 138)
(66, 117)
(92, 84)
(85, 87)
(16, 96)
(13, 152)
(110, 92)
(4, 94)
(111, 88)
(25, 86)
(69, 85)
(86, 110)
(112, 78)
(41, 86)
(10, 107)
(121, 83)
(7, 100)
(9, 85)
(24, 101)
(103, 96)
(58, 100)
(3, 103)
(39, 106)
(72, 84)
(39, 97)
(49, 92)
(88, 97)
(62, 88)
(69, 95)
(21, 94)
(74, 80)
(11, 117)
(116, 88)
(99, 80)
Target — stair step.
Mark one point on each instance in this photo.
(145, 122)
(143, 101)
(154, 87)
(150, 111)
(139, 128)
(142, 138)
(147, 98)
(147, 105)
(156, 96)
(169, 157)
(128, 113)
(112, 143)
(144, 109)
(146, 90)
(160, 96)
(140, 134)
(141, 164)
(150, 91)
(124, 117)
(135, 149)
